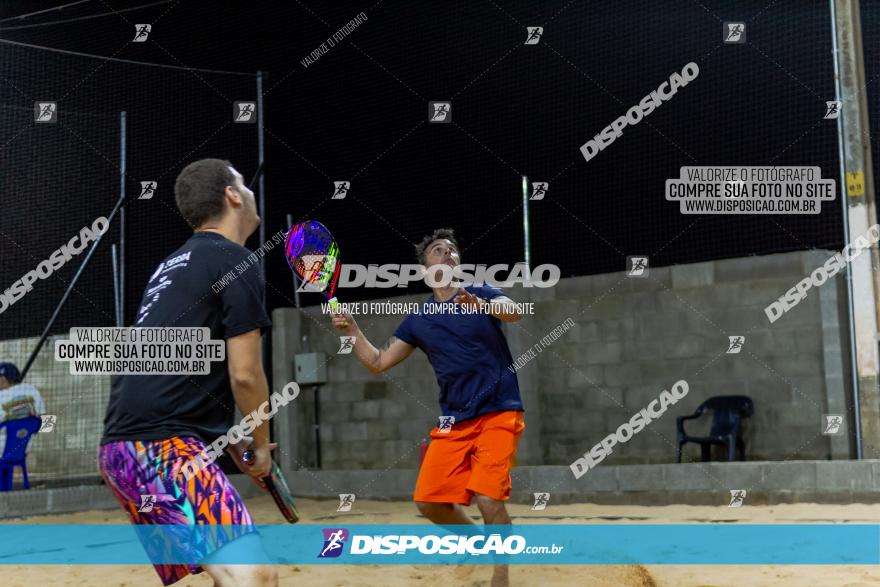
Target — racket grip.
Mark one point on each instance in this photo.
(334, 305)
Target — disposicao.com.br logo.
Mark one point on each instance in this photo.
(430, 544)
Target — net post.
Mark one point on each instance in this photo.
(123, 159)
(261, 180)
(527, 245)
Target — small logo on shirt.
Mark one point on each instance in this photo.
(157, 272)
(163, 283)
(346, 500)
(445, 424)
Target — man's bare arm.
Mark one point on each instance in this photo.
(376, 360)
(504, 309)
(247, 378)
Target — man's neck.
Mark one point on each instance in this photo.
(226, 230)
(444, 294)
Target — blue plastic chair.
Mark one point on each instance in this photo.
(18, 436)
(728, 412)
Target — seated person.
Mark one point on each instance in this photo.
(17, 400)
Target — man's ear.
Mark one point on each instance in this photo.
(232, 197)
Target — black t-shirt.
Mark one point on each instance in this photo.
(210, 282)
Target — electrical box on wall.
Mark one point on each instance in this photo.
(310, 368)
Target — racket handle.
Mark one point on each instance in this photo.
(334, 305)
(248, 457)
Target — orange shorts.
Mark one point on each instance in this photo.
(474, 457)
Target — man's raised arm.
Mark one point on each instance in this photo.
(376, 360)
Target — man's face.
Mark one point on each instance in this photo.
(249, 204)
(442, 252)
(4, 382)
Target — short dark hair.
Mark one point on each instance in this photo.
(438, 234)
(199, 190)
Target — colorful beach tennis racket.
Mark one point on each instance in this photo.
(278, 489)
(313, 255)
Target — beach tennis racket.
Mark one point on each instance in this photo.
(313, 254)
(278, 489)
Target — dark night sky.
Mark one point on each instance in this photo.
(359, 113)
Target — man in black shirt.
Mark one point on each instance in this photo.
(156, 424)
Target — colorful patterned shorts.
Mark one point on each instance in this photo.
(146, 478)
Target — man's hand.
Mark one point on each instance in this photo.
(501, 307)
(262, 464)
(343, 321)
(468, 299)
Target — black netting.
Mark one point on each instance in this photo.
(59, 177)
(359, 113)
(760, 103)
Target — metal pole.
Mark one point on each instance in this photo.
(857, 208)
(118, 208)
(295, 280)
(123, 160)
(114, 262)
(70, 286)
(267, 341)
(527, 246)
(317, 427)
(260, 161)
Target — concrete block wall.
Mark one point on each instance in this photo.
(70, 451)
(633, 338)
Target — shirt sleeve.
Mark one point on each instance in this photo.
(405, 332)
(488, 292)
(242, 300)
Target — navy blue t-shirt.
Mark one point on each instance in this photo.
(469, 355)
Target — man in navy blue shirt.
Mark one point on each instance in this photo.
(474, 444)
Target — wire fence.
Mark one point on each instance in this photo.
(60, 176)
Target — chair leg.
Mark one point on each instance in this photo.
(5, 478)
(707, 455)
(24, 476)
(731, 449)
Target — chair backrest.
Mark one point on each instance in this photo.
(727, 412)
(18, 435)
